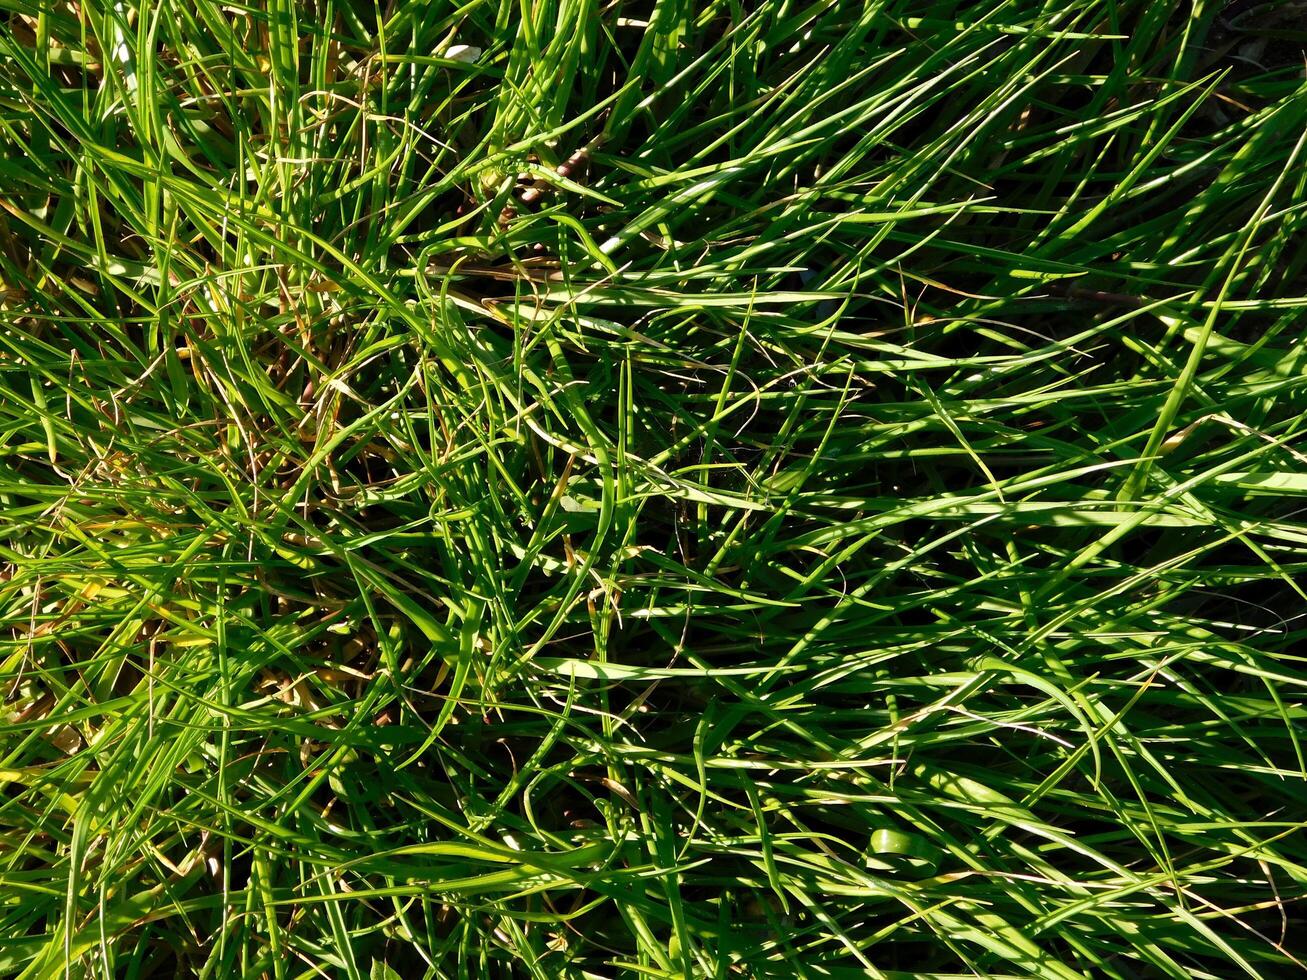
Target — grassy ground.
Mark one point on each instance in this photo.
(652, 489)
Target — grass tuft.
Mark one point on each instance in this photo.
(652, 489)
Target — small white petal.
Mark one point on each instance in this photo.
(466, 53)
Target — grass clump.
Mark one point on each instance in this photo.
(652, 489)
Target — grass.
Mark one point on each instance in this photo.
(720, 489)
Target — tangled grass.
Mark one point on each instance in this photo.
(652, 489)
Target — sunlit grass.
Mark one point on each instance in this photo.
(665, 489)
